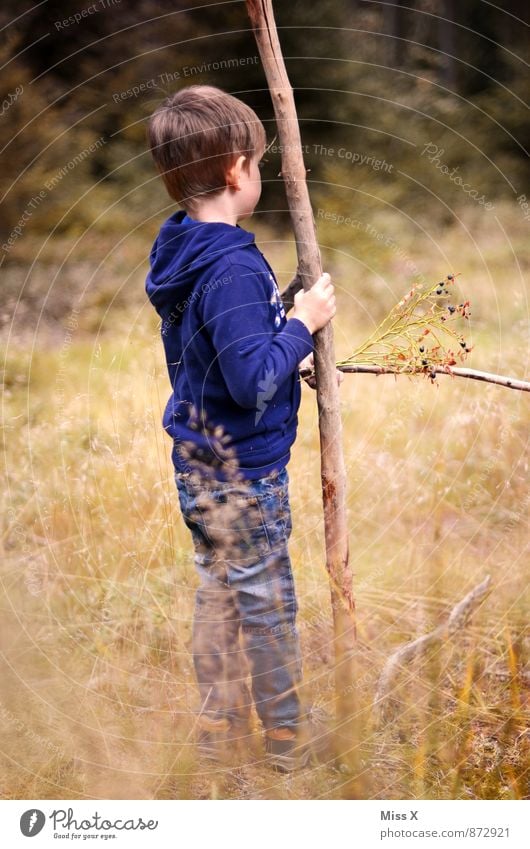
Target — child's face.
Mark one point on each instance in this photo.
(250, 187)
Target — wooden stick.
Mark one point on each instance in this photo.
(309, 270)
(457, 620)
(473, 374)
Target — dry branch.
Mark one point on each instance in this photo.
(473, 374)
(457, 620)
(290, 291)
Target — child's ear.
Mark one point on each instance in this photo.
(233, 176)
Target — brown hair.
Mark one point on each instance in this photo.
(195, 137)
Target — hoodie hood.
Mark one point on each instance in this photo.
(183, 248)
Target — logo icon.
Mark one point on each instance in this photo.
(268, 389)
(32, 822)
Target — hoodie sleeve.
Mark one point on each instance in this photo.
(251, 352)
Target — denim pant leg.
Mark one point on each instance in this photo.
(220, 666)
(218, 658)
(267, 606)
(247, 530)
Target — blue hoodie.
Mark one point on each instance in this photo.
(231, 353)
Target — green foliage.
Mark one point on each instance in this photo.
(358, 90)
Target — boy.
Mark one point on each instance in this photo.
(233, 360)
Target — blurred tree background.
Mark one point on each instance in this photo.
(374, 83)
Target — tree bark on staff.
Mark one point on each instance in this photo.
(309, 270)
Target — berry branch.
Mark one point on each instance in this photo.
(419, 336)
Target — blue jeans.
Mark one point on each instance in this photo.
(245, 606)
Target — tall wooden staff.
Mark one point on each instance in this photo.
(309, 270)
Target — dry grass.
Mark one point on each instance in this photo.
(97, 579)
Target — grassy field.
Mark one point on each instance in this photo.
(97, 575)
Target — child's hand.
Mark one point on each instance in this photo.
(317, 306)
(309, 363)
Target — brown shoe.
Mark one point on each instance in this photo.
(219, 740)
(288, 749)
(211, 738)
(286, 755)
